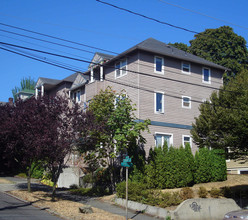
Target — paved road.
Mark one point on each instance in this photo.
(14, 209)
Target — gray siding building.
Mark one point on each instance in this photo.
(167, 86)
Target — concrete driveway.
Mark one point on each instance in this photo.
(15, 209)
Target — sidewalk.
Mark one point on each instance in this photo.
(20, 184)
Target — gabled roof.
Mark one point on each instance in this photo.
(49, 81)
(71, 78)
(100, 57)
(154, 46)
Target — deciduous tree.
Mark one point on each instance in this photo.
(121, 128)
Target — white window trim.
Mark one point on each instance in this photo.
(165, 134)
(209, 81)
(121, 75)
(228, 149)
(155, 71)
(78, 91)
(190, 140)
(124, 95)
(187, 73)
(189, 102)
(155, 102)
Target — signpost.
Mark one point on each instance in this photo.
(127, 163)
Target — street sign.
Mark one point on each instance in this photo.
(127, 162)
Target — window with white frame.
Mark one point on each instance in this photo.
(186, 68)
(206, 75)
(159, 102)
(119, 98)
(161, 139)
(159, 65)
(78, 99)
(120, 68)
(186, 102)
(187, 140)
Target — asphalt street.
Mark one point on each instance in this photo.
(14, 209)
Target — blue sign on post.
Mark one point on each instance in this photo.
(127, 162)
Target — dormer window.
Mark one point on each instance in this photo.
(121, 68)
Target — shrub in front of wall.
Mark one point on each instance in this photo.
(215, 193)
(186, 193)
(202, 192)
(136, 191)
(226, 192)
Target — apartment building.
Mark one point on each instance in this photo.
(167, 86)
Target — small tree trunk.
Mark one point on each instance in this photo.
(56, 173)
(54, 191)
(29, 179)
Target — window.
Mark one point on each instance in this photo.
(159, 102)
(162, 139)
(78, 96)
(159, 65)
(186, 102)
(119, 98)
(121, 68)
(187, 140)
(186, 68)
(206, 75)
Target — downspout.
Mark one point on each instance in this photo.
(138, 85)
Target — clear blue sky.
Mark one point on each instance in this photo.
(92, 23)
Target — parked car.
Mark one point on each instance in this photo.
(237, 215)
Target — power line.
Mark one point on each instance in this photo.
(202, 14)
(116, 82)
(149, 18)
(43, 61)
(61, 44)
(158, 21)
(34, 38)
(89, 62)
(57, 38)
(42, 46)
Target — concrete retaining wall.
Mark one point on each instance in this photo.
(68, 177)
(193, 209)
(151, 210)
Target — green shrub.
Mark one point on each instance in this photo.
(186, 193)
(202, 192)
(170, 199)
(88, 178)
(226, 192)
(203, 166)
(74, 186)
(136, 191)
(94, 191)
(215, 193)
(38, 171)
(23, 175)
(218, 165)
